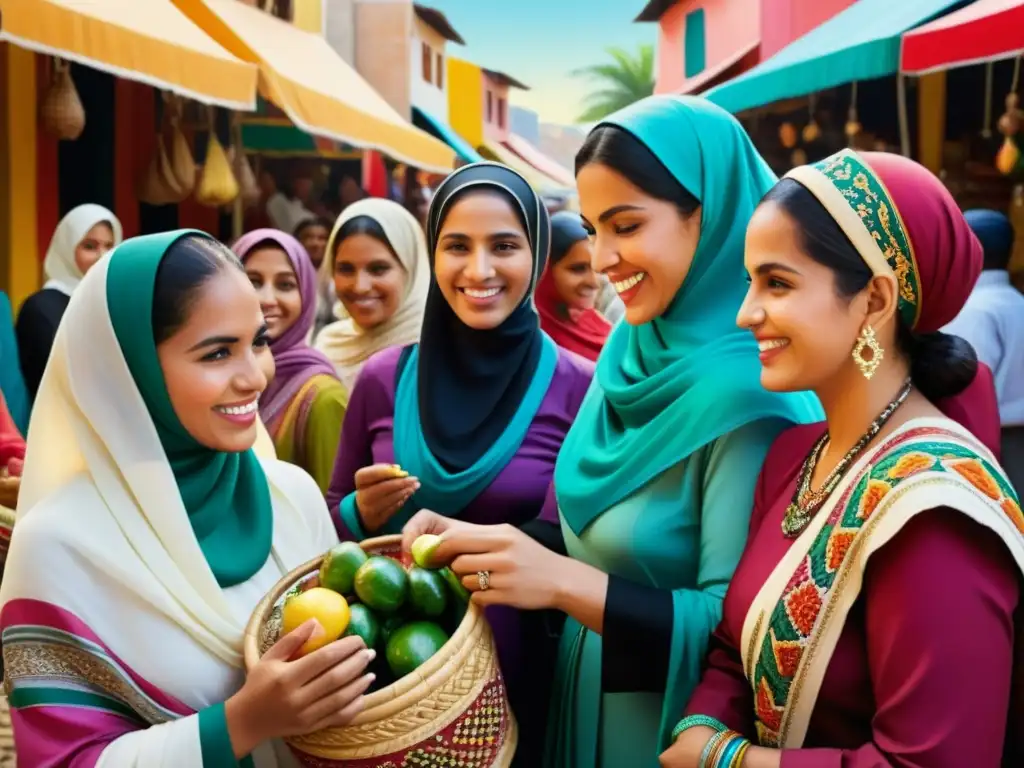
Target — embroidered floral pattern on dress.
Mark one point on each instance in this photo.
(867, 195)
(805, 604)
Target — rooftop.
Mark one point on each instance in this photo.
(437, 21)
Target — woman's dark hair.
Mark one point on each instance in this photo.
(313, 221)
(362, 225)
(629, 157)
(941, 364)
(188, 264)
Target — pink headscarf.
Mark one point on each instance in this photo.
(949, 260)
(295, 360)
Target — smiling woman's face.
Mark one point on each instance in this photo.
(644, 245)
(483, 263)
(368, 279)
(791, 302)
(212, 363)
(271, 273)
(575, 279)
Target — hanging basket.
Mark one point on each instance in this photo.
(61, 111)
(453, 710)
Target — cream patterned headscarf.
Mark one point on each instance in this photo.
(98, 489)
(59, 267)
(345, 343)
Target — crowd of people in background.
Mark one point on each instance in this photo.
(731, 462)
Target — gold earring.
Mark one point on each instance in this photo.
(867, 339)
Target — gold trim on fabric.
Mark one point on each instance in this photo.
(819, 185)
(32, 661)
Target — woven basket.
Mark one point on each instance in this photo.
(452, 711)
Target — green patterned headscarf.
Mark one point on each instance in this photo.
(668, 387)
(225, 495)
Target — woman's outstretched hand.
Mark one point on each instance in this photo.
(519, 571)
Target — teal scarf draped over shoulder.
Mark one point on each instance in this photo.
(665, 389)
(225, 495)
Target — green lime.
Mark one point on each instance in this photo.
(412, 644)
(382, 584)
(338, 569)
(428, 594)
(390, 624)
(362, 622)
(423, 550)
(455, 584)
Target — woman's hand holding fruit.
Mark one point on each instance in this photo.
(287, 696)
(381, 491)
(520, 572)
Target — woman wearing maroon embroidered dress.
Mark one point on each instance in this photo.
(857, 632)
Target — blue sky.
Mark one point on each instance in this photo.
(539, 42)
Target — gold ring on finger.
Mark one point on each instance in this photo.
(484, 580)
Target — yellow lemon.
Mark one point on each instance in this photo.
(326, 606)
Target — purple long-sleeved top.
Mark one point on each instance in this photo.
(517, 493)
(516, 496)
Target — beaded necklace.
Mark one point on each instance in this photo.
(806, 502)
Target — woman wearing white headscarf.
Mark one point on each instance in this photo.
(377, 255)
(149, 526)
(80, 240)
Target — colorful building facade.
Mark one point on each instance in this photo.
(495, 104)
(700, 41)
(783, 21)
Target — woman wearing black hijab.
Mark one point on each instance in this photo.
(476, 412)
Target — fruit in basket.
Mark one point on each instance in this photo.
(382, 584)
(326, 606)
(455, 584)
(390, 624)
(412, 644)
(423, 550)
(339, 566)
(363, 622)
(428, 593)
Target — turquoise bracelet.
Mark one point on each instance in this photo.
(729, 752)
(693, 721)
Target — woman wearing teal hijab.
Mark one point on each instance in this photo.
(654, 484)
(149, 527)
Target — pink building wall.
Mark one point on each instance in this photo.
(730, 26)
(783, 21)
(496, 117)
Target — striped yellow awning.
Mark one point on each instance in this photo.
(318, 91)
(149, 41)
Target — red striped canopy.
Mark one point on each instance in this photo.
(983, 31)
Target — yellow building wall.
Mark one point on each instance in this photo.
(19, 242)
(466, 100)
(308, 15)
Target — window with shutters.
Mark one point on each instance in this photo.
(694, 51)
(440, 71)
(428, 60)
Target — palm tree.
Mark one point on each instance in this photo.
(629, 78)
